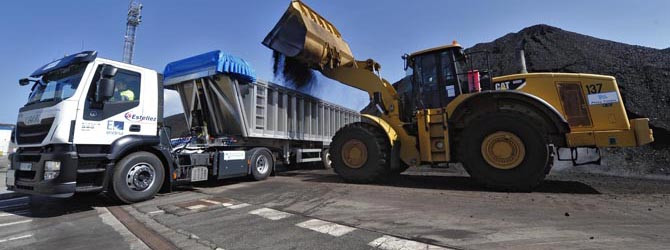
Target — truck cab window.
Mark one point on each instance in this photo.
(126, 96)
(127, 87)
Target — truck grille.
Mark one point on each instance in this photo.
(33, 134)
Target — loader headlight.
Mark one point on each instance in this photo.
(51, 169)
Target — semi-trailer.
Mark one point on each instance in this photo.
(96, 125)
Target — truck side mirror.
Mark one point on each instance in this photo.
(108, 72)
(105, 89)
(106, 84)
(24, 81)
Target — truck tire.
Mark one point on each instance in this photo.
(261, 164)
(360, 153)
(137, 177)
(505, 151)
(325, 159)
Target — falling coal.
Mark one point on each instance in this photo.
(293, 72)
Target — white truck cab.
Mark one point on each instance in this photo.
(82, 114)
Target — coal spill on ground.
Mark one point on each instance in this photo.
(294, 73)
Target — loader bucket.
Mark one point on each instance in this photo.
(303, 34)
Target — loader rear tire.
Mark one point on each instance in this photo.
(506, 151)
(360, 153)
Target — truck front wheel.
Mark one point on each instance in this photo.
(137, 177)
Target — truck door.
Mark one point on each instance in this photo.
(102, 123)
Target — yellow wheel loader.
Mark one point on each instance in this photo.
(504, 130)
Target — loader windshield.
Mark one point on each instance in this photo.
(57, 85)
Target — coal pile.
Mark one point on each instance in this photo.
(643, 75)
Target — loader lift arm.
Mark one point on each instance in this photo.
(303, 34)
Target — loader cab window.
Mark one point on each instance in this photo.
(436, 78)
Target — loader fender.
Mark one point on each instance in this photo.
(390, 132)
(494, 101)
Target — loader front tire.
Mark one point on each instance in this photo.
(360, 153)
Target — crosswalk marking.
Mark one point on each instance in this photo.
(16, 238)
(393, 243)
(270, 213)
(325, 227)
(211, 201)
(15, 222)
(196, 207)
(238, 206)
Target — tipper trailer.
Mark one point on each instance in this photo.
(93, 125)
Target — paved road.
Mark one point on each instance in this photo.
(313, 209)
(42, 223)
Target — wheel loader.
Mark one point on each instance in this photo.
(505, 130)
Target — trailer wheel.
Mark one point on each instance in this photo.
(325, 158)
(137, 177)
(505, 151)
(360, 153)
(261, 164)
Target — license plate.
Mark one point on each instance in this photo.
(198, 174)
(25, 166)
(9, 180)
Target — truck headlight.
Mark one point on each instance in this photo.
(51, 169)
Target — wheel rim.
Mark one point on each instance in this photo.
(262, 164)
(503, 150)
(141, 176)
(354, 153)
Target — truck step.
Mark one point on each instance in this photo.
(90, 170)
(84, 189)
(93, 155)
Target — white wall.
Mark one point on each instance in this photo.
(5, 138)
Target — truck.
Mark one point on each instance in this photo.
(505, 130)
(96, 125)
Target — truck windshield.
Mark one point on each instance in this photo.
(57, 85)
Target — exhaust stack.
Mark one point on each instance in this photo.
(303, 34)
(522, 56)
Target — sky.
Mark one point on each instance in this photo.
(34, 33)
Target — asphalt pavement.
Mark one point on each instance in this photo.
(313, 209)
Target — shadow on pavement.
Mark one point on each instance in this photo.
(457, 183)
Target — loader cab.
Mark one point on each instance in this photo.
(438, 75)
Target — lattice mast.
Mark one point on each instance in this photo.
(134, 19)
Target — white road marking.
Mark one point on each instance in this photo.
(130, 238)
(238, 206)
(270, 213)
(226, 204)
(22, 212)
(16, 238)
(196, 207)
(211, 201)
(156, 212)
(393, 243)
(14, 223)
(14, 199)
(325, 227)
(13, 205)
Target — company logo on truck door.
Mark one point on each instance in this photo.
(138, 118)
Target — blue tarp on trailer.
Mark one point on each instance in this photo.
(208, 64)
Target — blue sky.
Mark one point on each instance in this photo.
(36, 32)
